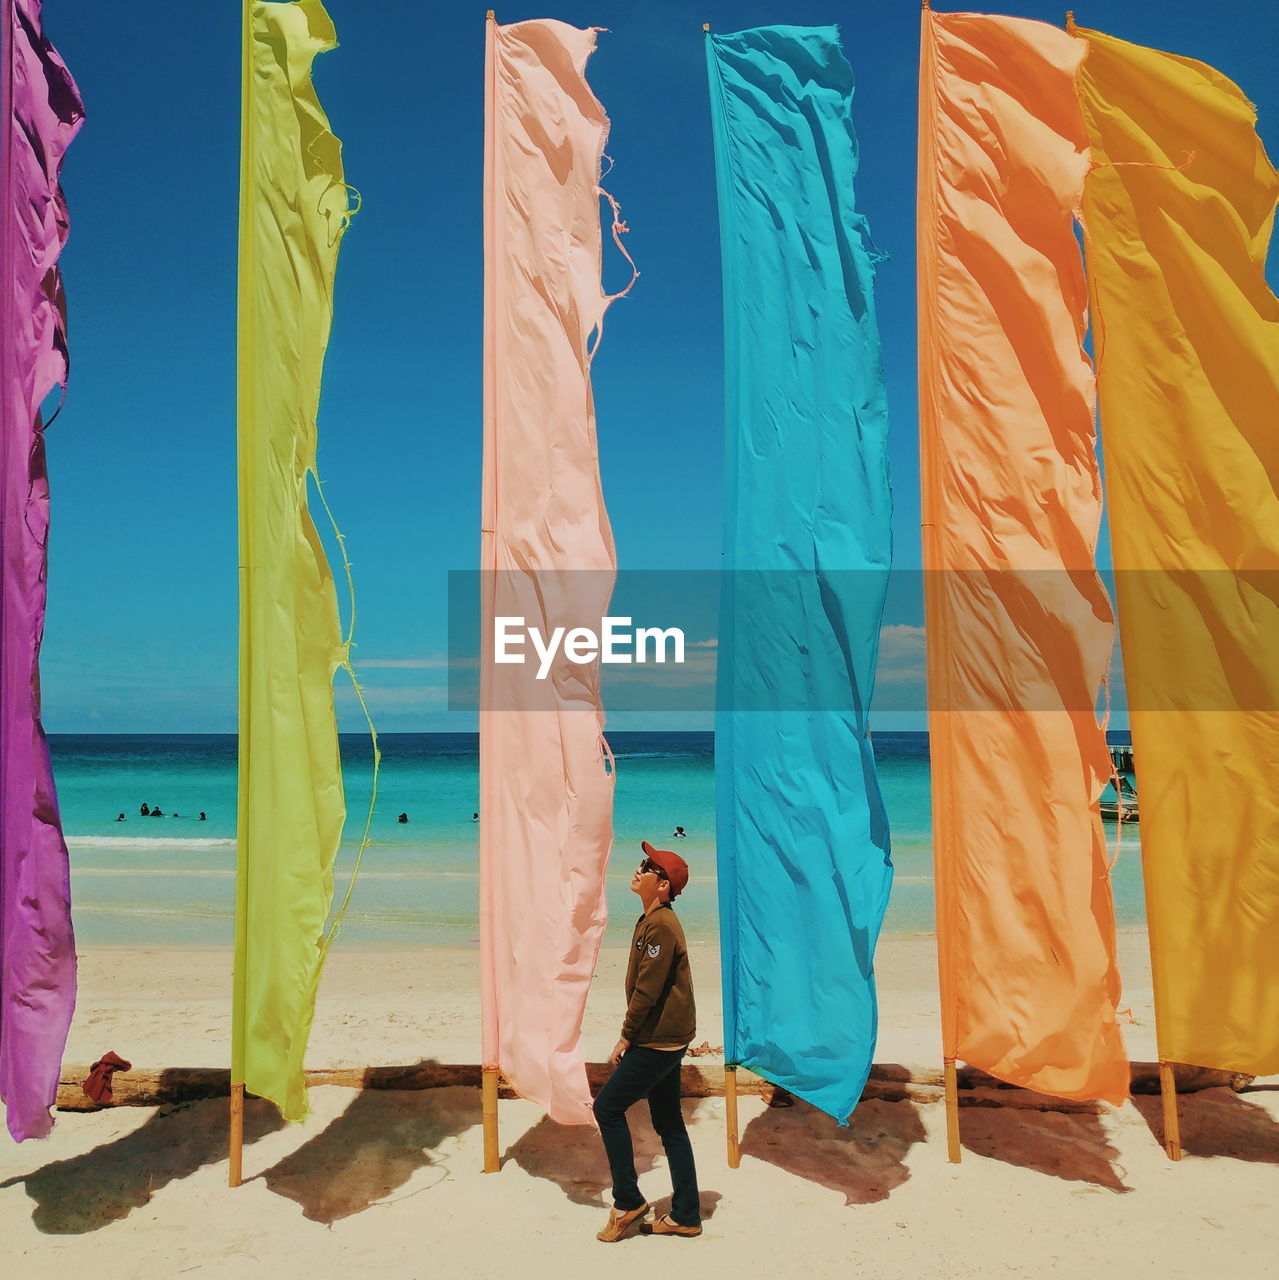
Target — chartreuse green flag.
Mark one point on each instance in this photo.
(293, 210)
(802, 840)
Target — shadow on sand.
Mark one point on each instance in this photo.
(1068, 1145)
(572, 1156)
(709, 1202)
(91, 1191)
(1217, 1122)
(864, 1161)
(374, 1147)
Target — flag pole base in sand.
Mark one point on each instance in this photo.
(488, 1109)
(951, 1082)
(730, 1117)
(1172, 1121)
(235, 1173)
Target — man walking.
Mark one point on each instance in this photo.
(659, 1026)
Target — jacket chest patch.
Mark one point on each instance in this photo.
(655, 951)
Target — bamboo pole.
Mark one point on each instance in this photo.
(1172, 1121)
(730, 1117)
(938, 649)
(244, 356)
(148, 1087)
(488, 1109)
(489, 1031)
(235, 1176)
(888, 1082)
(951, 1085)
(1070, 22)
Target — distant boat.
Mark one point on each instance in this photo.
(1121, 806)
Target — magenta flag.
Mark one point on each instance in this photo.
(546, 790)
(41, 113)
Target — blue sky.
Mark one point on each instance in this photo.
(141, 632)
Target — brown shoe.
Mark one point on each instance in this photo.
(619, 1223)
(667, 1226)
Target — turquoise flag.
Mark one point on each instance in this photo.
(803, 855)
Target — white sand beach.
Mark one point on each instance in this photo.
(390, 1182)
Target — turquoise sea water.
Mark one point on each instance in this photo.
(170, 880)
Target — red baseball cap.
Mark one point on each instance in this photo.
(675, 867)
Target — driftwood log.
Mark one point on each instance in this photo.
(889, 1082)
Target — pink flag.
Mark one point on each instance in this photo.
(40, 114)
(546, 785)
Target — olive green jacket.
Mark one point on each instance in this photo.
(659, 983)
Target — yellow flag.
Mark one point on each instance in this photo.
(293, 210)
(1178, 210)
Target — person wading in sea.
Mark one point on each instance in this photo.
(659, 1025)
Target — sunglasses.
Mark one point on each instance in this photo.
(646, 866)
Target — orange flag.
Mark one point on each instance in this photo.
(1179, 208)
(1018, 623)
(546, 790)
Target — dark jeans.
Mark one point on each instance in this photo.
(651, 1074)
